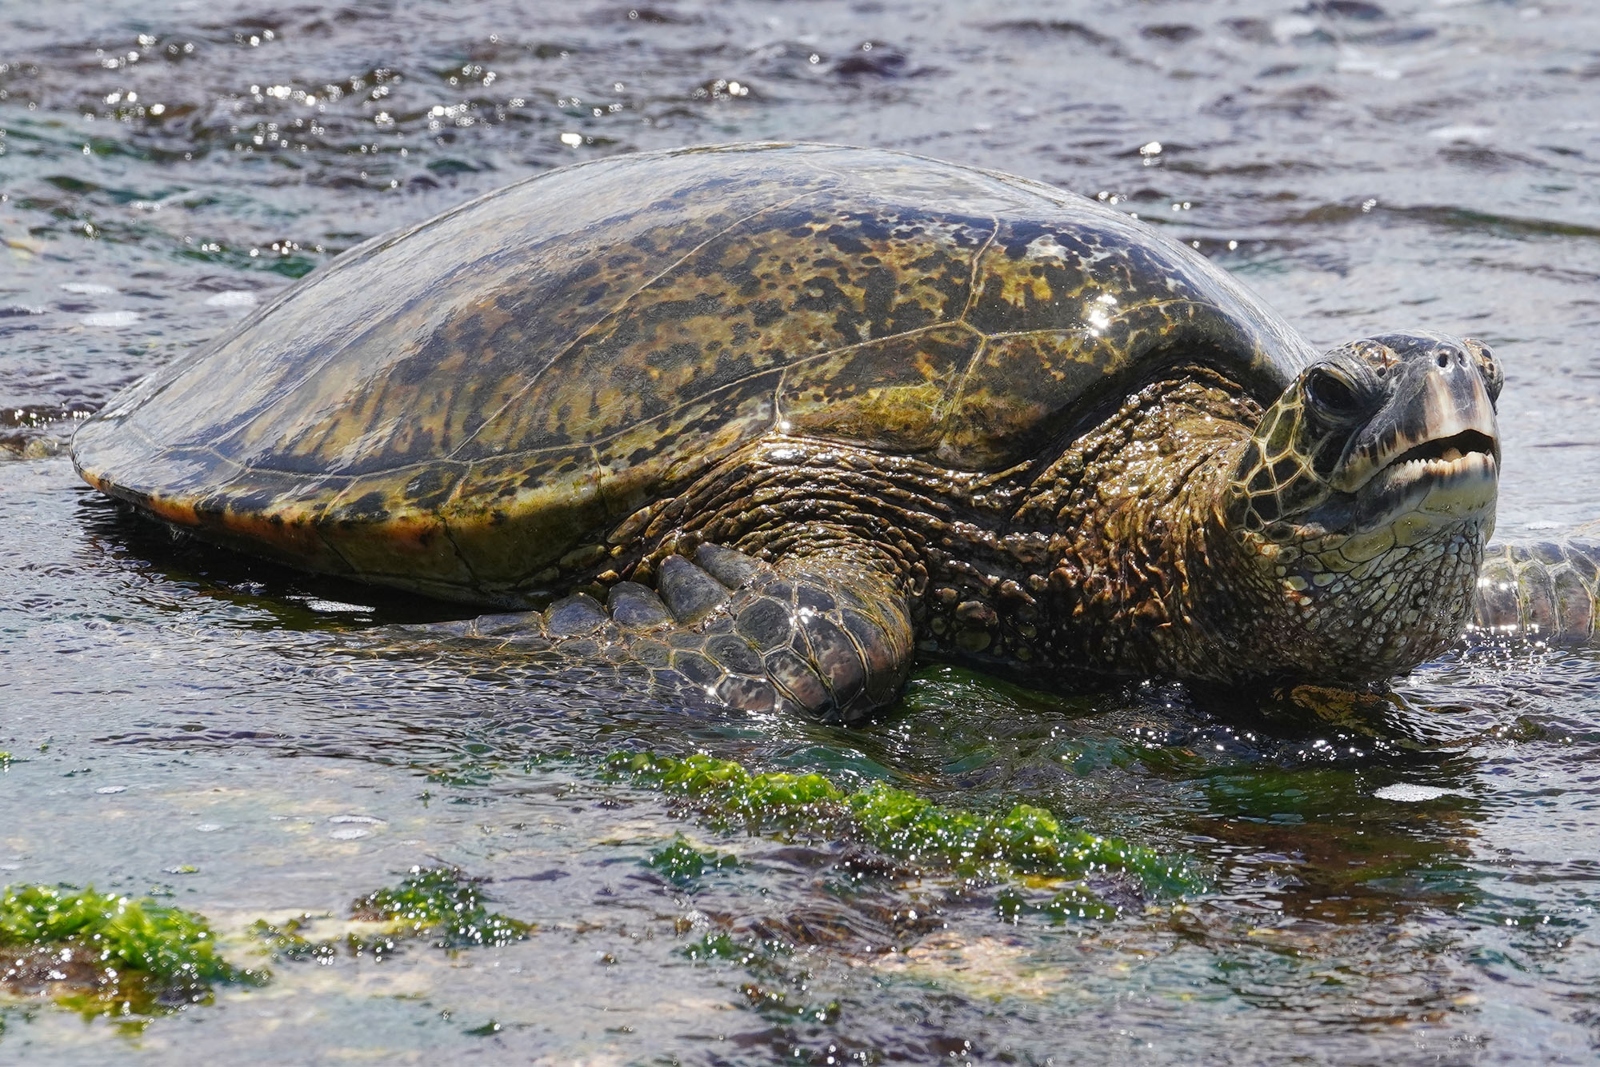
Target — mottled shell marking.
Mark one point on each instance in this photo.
(456, 407)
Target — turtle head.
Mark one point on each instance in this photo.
(1364, 500)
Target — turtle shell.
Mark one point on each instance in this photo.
(459, 407)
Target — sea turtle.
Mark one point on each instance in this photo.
(770, 420)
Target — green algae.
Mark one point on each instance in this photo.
(722, 946)
(780, 1006)
(1073, 902)
(682, 864)
(441, 904)
(1025, 840)
(108, 954)
(289, 942)
(769, 967)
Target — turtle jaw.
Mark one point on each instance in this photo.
(1444, 483)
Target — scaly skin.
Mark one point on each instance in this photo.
(816, 634)
(1546, 590)
(1170, 540)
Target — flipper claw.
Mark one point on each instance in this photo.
(574, 616)
(689, 592)
(828, 636)
(729, 566)
(637, 607)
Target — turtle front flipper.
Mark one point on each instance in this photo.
(827, 635)
(1547, 590)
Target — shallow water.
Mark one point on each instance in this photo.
(1415, 885)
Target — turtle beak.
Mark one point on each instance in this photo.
(1433, 445)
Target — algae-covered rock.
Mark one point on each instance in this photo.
(441, 904)
(1024, 840)
(444, 904)
(681, 863)
(108, 954)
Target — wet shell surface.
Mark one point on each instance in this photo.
(460, 407)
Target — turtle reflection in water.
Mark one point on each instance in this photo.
(771, 421)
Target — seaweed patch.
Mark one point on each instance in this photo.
(682, 864)
(109, 954)
(439, 904)
(1023, 842)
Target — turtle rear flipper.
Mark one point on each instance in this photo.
(1546, 590)
(827, 634)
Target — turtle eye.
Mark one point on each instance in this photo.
(1488, 366)
(1331, 395)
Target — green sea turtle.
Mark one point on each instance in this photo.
(771, 420)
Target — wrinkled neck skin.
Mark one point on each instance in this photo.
(1147, 580)
(1114, 560)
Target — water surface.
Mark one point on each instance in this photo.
(1415, 884)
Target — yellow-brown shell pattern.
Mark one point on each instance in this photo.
(457, 407)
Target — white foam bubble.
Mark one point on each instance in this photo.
(1407, 793)
(231, 298)
(110, 318)
(317, 604)
(1462, 134)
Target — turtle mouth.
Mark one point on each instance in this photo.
(1446, 450)
(1449, 478)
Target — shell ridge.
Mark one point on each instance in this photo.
(357, 483)
(718, 390)
(455, 547)
(778, 418)
(216, 454)
(610, 316)
(977, 264)
(599, 475)
(665, 413)
(1176, 302)
(781, 371)
(333, 550)
(752, 376)
(953, 401)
